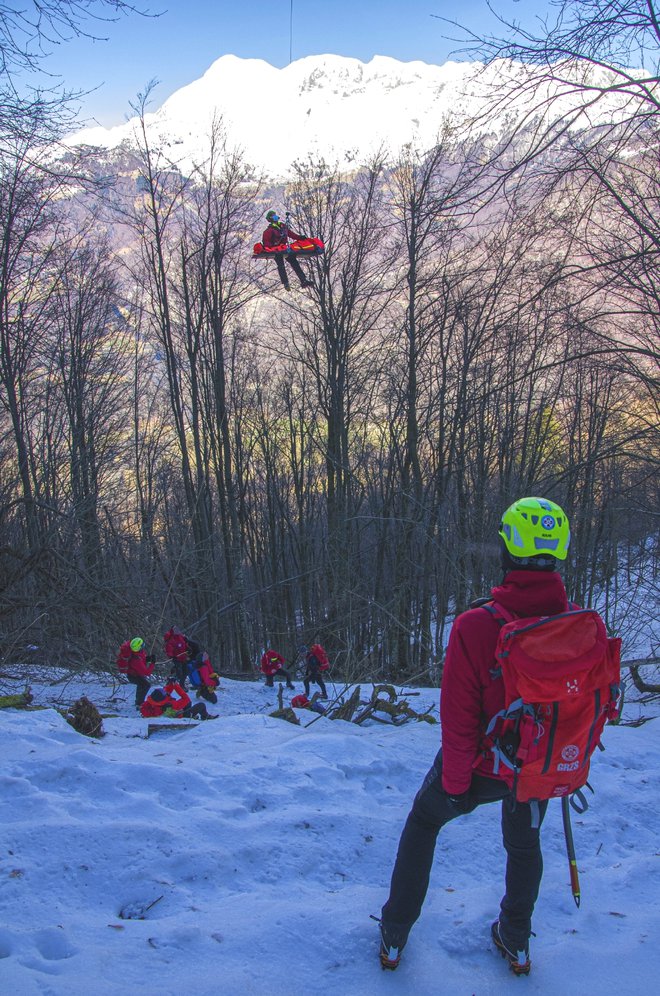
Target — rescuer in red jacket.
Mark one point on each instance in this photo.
(178, 647)
(535, 537)
(133, 662)
(278, 234)
(174, 701)
(203, 678)
(271, 665)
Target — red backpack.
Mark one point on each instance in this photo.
(561, 684)
(320, 655)
(124, 657)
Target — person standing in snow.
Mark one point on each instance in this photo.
(534, 536)
(278, 234)
(177, 648)
(272, 666)
(316, 661)
(133, 662)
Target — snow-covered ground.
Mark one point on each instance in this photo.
(264, 847)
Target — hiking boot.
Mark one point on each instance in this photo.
(392, 942)
(518, 959)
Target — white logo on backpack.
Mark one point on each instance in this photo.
(570, 754)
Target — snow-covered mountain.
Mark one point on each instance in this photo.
(329, 107)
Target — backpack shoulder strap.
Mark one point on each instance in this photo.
(501, 616)
(480, 602)
(497, 611)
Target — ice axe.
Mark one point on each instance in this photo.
(570, 850)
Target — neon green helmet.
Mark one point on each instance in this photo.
(535, 526)
(136, 644)
(272, 216)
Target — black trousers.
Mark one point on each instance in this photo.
(180, 671)
(206, 692)
(314, 678)
(431, 809)
(142, 686)
(196, 711)
(295, 266)
(279, 674)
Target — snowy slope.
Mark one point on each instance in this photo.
(264, 848)
(326, 106)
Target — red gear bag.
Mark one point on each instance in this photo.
(299, 247)
(561, 678)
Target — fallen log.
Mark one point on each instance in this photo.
(168, 727)
(20, 701)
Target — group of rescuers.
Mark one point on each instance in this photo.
(534, 535)
(190, 664)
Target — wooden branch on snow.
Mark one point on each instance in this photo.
(638, 681)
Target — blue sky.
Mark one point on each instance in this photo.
(178, 46)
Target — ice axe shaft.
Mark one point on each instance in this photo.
(570, 850)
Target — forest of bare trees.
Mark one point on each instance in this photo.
(183, 443)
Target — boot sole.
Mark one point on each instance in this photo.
(515, 966)
(388, 963)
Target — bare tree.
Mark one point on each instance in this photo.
(29, 32)
(88, 349)
(335, 344)
(609, 35)
(27, 235)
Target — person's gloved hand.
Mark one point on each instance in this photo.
(151, 659)
(460, 801)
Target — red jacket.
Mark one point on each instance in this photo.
(174, 698)
(129, 662)
(271, 662)
(176, 646)
(277, 235)
(470, 695)
(204, 668)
